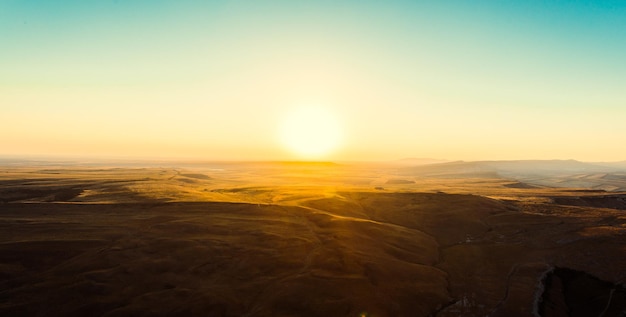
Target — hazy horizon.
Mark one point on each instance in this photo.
(406, 161)
(225, 80)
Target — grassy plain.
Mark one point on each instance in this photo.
(300, 239)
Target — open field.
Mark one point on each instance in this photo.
(304, 239)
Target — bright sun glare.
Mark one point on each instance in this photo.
(311, 132)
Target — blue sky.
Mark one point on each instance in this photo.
(447, 79)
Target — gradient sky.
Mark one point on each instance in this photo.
(212, 79)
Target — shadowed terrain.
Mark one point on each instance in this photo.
(302, 240)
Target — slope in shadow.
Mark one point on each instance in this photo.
(574, 293)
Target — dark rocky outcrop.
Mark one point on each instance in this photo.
(571, 293)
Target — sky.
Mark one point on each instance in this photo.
(216, 80)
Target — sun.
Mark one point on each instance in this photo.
(311, 132)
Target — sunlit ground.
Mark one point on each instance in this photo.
(298, 238)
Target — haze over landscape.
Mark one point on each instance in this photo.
(312, 158)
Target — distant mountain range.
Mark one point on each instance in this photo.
(619, 165)
(516, 167)
(557, 167)
(410, 161)
(551, 173)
